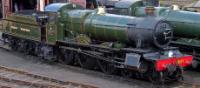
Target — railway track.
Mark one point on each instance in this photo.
(13, 78)
(188, 85)
(179, 84)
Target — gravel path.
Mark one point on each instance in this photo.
(33, 65)
(68, 73)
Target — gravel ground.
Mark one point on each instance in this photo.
(27, 63)
(33, 65)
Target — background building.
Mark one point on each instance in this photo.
(1, 9)
(10, 6)
(193, 6)
(175, 2)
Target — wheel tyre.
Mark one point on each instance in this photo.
(177, 75)
(13, 45)
(106, 67)
(68, 57)
(194, 64)
(86, 62)
(156, 77)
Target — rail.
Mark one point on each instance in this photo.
(10, 78)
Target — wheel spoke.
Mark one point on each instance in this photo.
(68, 57)
(156, 77)
(106, 67)
(86, 62)
(176, 75)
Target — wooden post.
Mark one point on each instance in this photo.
(42, 5)
(38, 5)
(46, 2)
(6, 5)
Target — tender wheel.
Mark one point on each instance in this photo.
(68, 57)
(86, 61)
(12, 44)
(22, 46)
(45, 53)
(31, 48)
(37, 51)
(106, 67)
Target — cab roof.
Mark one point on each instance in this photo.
(55, 7)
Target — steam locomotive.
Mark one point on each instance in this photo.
(94, 39)
(185, 24)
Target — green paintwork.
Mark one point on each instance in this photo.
(15, 23)
(140, 11)
(51, 28)
(127, 7)
(62, 18)
(67, 22)
(55, 26)
(104, 27)
(74, 20)
(185, 24)
(188, 41)
(26, 26)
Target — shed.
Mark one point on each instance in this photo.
(131, 3)
(193, 6)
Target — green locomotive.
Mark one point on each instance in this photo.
(185, 24)
(94, 39)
